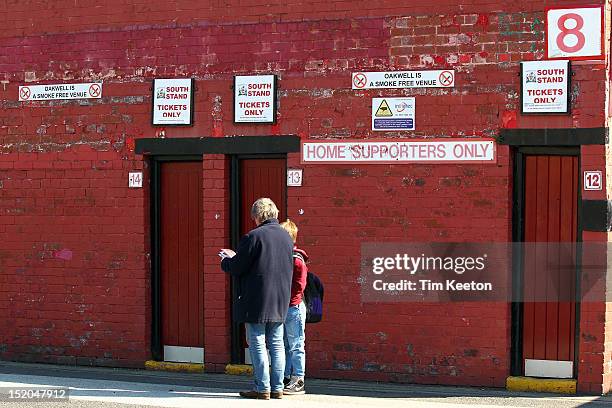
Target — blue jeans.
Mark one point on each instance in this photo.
(295, 355)
(258, 335)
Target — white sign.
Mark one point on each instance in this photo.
(392, 113)
(575, 33)
(91, 90)
(135, 180)
(593, 180)
(172, 101)
(404, 79)
(545, 87)
(403, 151)
(255, 99)
(294, 177)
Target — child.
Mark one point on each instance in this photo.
(295, 355)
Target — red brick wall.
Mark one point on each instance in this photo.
(73, 258)
(607, 355)
(216, 283)
(313, 47)
(454, 343)
(39, 16)
(594, 347)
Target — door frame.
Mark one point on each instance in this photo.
(235, 235)
(157, 348)
(518, 217)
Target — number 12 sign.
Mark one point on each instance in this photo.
(593, 180)
(575, 33)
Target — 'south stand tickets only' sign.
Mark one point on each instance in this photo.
(545, 86)
(255, 99)
(173, 101)
(92, 90)
(400, 151)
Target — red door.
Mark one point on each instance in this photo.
(550, 217)
(260, 178)
(182, 283)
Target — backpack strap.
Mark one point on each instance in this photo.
(298, 255)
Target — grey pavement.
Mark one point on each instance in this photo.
(94, 387)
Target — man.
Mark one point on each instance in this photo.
(263, 265)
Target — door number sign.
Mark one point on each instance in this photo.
(135, 180)
(575, 33)
(294, 177)
(593, 180)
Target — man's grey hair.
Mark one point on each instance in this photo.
(263, 209)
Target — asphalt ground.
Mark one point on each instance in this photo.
(95, 387)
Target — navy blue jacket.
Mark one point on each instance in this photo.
(263, 265)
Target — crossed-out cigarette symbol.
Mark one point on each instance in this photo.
(25, 93)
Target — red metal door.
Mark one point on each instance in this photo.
(261, 178)
(182, 283)
(550, 210)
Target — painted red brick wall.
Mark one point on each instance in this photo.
(216, 283)
(85, 149)
(607, 355)
(453, 343)
(73, 258)
(594, 355)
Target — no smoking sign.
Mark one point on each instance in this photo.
(360, 80)
(447, 78)
(95, 90)
(24, 93)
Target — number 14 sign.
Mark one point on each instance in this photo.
(575, 33)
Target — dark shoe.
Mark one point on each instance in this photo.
(286, 381)
(296, 387)
(276, 395)
(255, 395)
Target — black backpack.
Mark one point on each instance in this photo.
(313, 295)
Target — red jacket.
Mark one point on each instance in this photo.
(298, 282)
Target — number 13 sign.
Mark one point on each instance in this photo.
(575, 33)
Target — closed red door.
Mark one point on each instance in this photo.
(182, 283)
(550, 228)
(261, 178)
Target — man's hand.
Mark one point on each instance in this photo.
(226, 253)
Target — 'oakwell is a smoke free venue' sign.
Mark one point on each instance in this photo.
(53, 92)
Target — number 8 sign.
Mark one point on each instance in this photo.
(575, 33)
